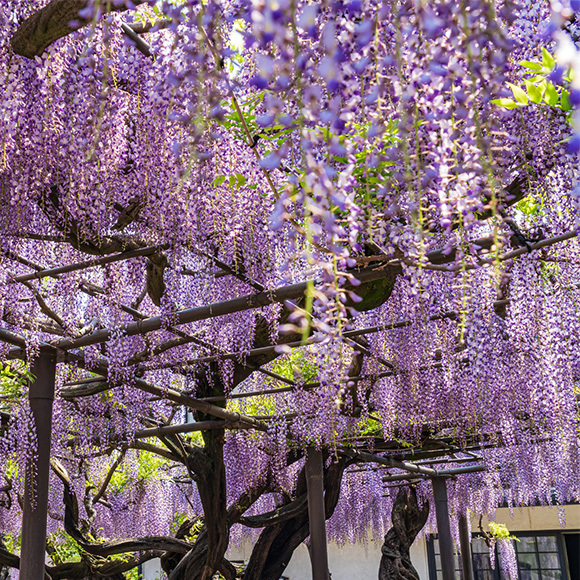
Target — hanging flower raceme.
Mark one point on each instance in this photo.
(341, 224)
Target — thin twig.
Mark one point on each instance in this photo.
(109, 475)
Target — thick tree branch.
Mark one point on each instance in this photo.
(277, 516)
(53, 21)
(154, 449)
(104, 549)
(44, 307)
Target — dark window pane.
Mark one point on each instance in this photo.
(547, 544)
(549, 561)
(529, 575)
(528, 561)
(551, 575)
(478, 546)
(481, 562)
(573, 551)
(526, 544)
(483, 575)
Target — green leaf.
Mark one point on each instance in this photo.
(535, 93)
(537, 79)
(500, 531)
(547, 59)
(551, 95)
(505, 103)
(565, 102)
(536, 66)
(528, 206)
(254, 101)
(519, 94)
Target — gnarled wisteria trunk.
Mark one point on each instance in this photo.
(281, 536)
(408, 520)
(207, 555)
(207, 466)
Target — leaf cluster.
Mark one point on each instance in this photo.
(538, 89)
(14, 376)
(500, 532)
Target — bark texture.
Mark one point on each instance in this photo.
(408, 520)
(281, 537)
(52, 22)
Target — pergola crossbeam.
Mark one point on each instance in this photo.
(52, 272)
(165, 430)
(240, 304)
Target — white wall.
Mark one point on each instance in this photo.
(347, 563)
(362, 562)
(534, 518)
(353, 562)
(152, 570)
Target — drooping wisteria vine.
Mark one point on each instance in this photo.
(392, 186)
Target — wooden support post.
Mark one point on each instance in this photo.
(41, 396)
(316, 514)
(443, 528)
(465, 545)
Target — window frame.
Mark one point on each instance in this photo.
(559, 543)
(558, 534)
(431, 564)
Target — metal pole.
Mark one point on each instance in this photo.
(316, 514)
(466, 561)
(35, 508)
(443, 528)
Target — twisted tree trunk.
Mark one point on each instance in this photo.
(408, 520)
(207, 555)
(113, 577)
(282, 536)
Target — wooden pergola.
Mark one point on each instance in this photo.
(66, 350)
(416, 465)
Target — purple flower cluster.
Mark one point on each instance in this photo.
(265, 143)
